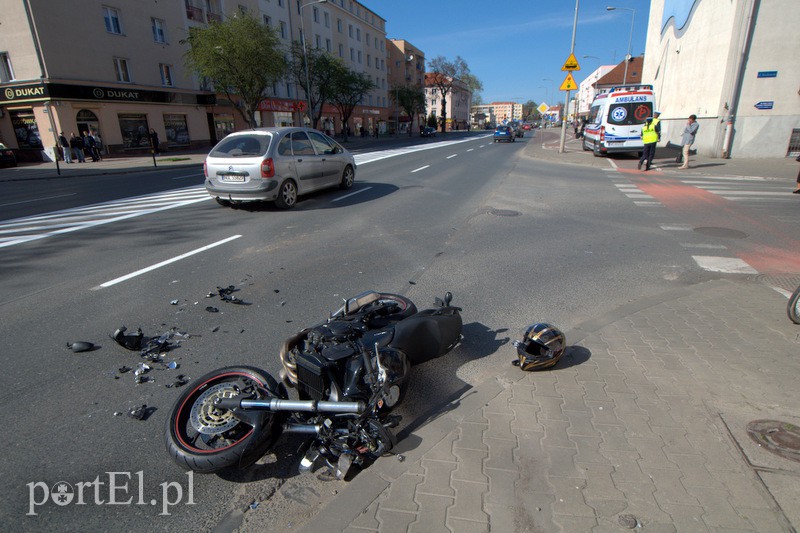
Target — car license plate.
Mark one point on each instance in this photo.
(232, 177)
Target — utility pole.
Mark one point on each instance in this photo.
(566, 103)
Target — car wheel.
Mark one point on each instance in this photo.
(596, 149)
(287, 195)
(348, 177)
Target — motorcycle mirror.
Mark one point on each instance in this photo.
(448, 297)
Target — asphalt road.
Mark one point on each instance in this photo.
(516, 240)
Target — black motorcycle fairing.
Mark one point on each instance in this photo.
(428, 334)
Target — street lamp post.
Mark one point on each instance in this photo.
(566, 98)
(305, 60)
(630, 39)
(547, 95)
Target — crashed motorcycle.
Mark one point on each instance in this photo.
(349, 372)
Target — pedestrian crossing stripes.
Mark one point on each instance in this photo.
(26, 229)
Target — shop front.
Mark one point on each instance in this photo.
(121, 118)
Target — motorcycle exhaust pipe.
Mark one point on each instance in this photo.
(306, 406)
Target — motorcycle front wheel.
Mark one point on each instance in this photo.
(793, 309)
(205, 438)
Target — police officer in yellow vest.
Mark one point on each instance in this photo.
(651, 134)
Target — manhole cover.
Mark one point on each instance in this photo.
(504, 213)
(722, 232)
(780, 438)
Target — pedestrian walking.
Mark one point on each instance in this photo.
(76, 145)
(154, 141)
(65, 149)
(98, 145)
(687, 140)
(651, 134)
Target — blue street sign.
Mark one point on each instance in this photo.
(768, 74)
(765, 105)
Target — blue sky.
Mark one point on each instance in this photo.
(513, 45)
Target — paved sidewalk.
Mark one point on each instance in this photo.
(643, 422)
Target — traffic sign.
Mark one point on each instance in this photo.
(571, 64)
(543, 108)
(765, 105)
(569, 83)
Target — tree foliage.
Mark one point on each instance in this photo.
(442, 73)
(349, 88)
(319, 86)
(409, 98)
(529, 111)
(241, 57)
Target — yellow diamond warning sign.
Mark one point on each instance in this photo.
(571, 64)
(569, 83)
(543, 108)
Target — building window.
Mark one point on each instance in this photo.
(369, 60)
(350, 30)
(366, 38)
(316, 14)
(158, 31)
(328, 45)
(341, 50)
(280, 3)
(243, 9)
(166, 74)
(267, 21)
(327, 19)
(283, 29)
(358, 34)
(359, 57)
(352, 54)
(111, 17)
(318, 41)
(121, 70)
(339, 25)
(6, 72)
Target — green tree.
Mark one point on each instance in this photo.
(318, 82)
(529, 111)
(442, 73)
(432, 122)
(349, 88)
(475, 86)
(241, 57)
(410, 98)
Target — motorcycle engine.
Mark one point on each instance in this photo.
(335, 332)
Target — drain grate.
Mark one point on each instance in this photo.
(721, 232)
(504, 213)
(780, 438)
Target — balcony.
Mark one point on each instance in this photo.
(213, 17)
(194, 13)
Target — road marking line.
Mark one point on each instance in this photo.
(164, 263)
(638, 195)
(748, 193)
(470, 149)
(645, 204)
(451, 156)
(784, 292)
(39, 199)
(702, 245)
(623, 185)
(420, 168)
(726, 265)
(786, 197)
(612, 163)
(351, 194)
(676, 227)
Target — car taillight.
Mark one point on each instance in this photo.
(267, 168)
(602, 133)
(205, 169)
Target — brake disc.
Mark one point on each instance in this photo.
(206, 417)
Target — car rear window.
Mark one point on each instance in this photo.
(242, 146)
(629, 114)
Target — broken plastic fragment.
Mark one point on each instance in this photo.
(254, 505)
(124, 369)
(139, 413)
(142, 369)
(139, 379)
(212, 309)
(80, 346)
(172, 365)
(130, 342)
(174, 302)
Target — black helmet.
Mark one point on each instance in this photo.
(541, 346)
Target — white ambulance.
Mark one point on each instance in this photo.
(616, 118)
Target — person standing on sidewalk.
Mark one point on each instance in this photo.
(687, 140)
(89, 143)
(154, 142)
(65, 149)
(76, 145)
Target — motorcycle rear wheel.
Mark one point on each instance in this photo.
(793, 309)
(205, 439)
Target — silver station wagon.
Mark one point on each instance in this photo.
(276, 165)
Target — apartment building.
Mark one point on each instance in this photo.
(458, 104)
(507, 111)
(406, 68)
(117, 68)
